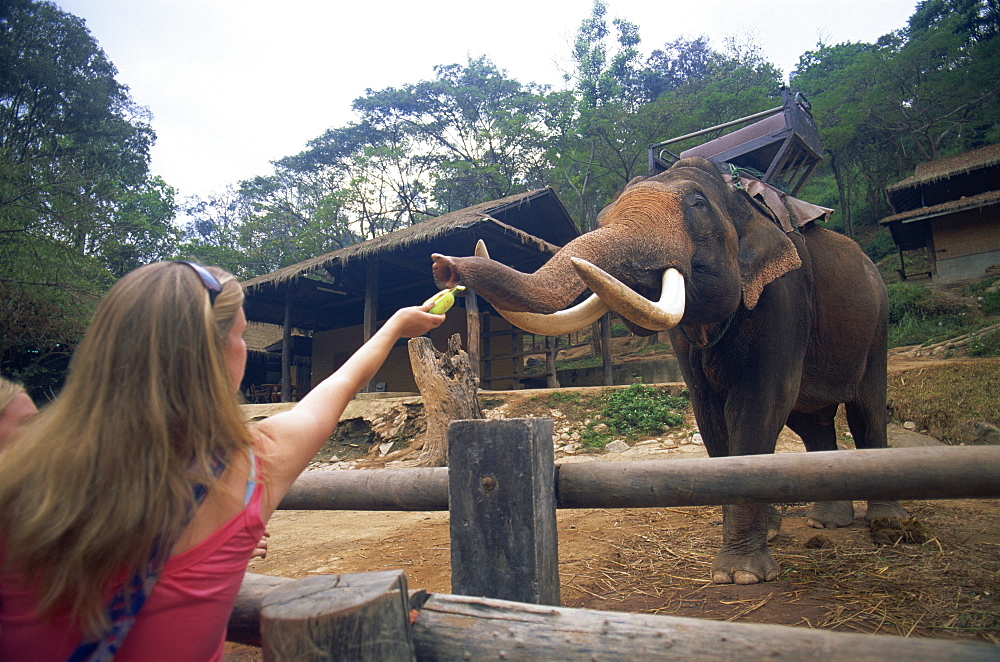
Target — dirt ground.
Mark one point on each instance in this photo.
(658, 560)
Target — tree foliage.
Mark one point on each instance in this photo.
(925, 91)
(78, 207)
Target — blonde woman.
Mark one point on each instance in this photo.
(16, 409)
(141, 484)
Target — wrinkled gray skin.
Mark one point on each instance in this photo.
(778, 328)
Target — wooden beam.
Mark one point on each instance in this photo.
(473, 330)
(552, 348)
(884, 474)
(244, 620)
(605, 324)
(412, 489)
(502, 509)
(455, 627)
(286, 350)
(954, 472)
(371, 306)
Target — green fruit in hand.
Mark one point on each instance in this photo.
(443, 300)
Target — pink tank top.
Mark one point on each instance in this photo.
(184, 618)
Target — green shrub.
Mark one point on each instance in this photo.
(618, 329)
(906, 299)
(642, 408)
(564, 396)
(917, 317)
(991, 302)
(880, 247)
(982, 285)
(985, 345)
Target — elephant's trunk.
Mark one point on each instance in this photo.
(627, 246)
(552, 288)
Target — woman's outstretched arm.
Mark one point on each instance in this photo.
(291, 439)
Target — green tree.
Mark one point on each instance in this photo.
(481, 133)
(916, 95)
(603, 75)
(624, 107)
(76, 205)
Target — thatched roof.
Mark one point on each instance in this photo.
(327, 291)
(951, 166)
(422, 232)
(982, 200)
(258, 336)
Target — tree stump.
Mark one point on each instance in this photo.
(362, 616)
(448, 387)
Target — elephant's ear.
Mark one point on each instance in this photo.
(765, 253)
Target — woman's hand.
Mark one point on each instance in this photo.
(260, 551)
(414, 321)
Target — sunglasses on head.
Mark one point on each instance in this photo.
(210, 282)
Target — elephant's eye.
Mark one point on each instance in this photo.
(698, 201)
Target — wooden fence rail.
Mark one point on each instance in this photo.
(895, 473)
(502, 489)
(321, 623)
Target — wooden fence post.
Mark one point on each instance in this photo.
(501, 479)
(363, 616)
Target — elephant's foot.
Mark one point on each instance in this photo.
(773, 524)
(830, 514)
(732, 567)
(877, 509)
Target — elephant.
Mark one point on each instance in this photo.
(770, 327)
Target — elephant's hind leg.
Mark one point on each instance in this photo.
(866, 417)
(819, 434)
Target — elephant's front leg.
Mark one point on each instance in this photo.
(755, 412)
(744, 558)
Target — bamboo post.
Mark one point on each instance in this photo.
(501, 480)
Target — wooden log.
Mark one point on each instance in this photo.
(363, 616)
(503, 511)
(965, 472)
(448, 386)
(452, 627)
(244, 620)
(420, 488)
(882, 474)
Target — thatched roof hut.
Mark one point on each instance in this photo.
(950, 208)
(328, 291)
(338, 298)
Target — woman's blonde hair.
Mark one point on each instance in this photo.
(103, 478)
(8, 390)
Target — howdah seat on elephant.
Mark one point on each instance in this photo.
(771, 325)
(784, 146)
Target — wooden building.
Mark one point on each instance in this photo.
(950, 208)
(339, 299)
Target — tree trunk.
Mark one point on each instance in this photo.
(448, 386)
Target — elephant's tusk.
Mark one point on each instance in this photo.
(552, 324)
(655, 316)
(555, 324)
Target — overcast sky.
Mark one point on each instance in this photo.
(235, 84)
